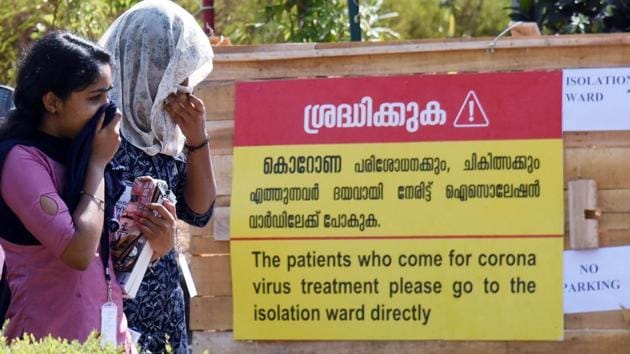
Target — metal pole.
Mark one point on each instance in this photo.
(353, 13)
(207, 11)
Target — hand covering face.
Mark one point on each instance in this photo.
(155, 46)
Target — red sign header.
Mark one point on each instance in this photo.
(495, 106)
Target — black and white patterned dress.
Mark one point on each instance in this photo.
(158, 311)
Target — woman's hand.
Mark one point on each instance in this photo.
(189, 113)
(159, 230)
(106, 140)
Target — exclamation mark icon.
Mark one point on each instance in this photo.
(474, 116)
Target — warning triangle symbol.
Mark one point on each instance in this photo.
(471, 114)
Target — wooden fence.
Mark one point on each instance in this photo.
(602, 156)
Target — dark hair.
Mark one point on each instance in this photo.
(60, 63)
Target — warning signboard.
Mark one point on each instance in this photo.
(416, 207)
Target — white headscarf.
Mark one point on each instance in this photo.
(155, 46)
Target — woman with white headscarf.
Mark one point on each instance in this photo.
(159, 53)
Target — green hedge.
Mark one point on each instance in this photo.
(49, 345)
(30, 345)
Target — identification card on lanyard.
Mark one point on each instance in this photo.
(109, 310)
(109, 318)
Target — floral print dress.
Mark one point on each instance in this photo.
(158, 311)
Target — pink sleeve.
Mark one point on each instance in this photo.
(27, 175)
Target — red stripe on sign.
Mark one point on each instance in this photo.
(363, 238)
(495, 106)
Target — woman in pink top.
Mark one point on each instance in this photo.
(57, 262)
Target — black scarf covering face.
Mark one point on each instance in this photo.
(74, 155)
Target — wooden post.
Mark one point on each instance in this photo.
(207, 11)
(353, 14)
(583, 214)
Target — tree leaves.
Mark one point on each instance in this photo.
(266, 21)
(24, 21)
(575, 16)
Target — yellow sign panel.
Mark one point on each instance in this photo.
(398, 241)
(399, 189)
(398, 289)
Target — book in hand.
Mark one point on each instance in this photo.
(131, 252)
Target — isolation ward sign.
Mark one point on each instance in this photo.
(393, 208)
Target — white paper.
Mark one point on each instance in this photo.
(188, 279)
(596, 99)
(596, 280)
(135, 336)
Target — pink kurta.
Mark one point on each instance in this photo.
(49, 297)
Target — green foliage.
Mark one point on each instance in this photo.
(24, 21)
(49, 345)
(372, 21)
(477, 17)
(268, 21)
(418, 19)
(574, 16)
(273, 21)
(448, 18)
(279, 21)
